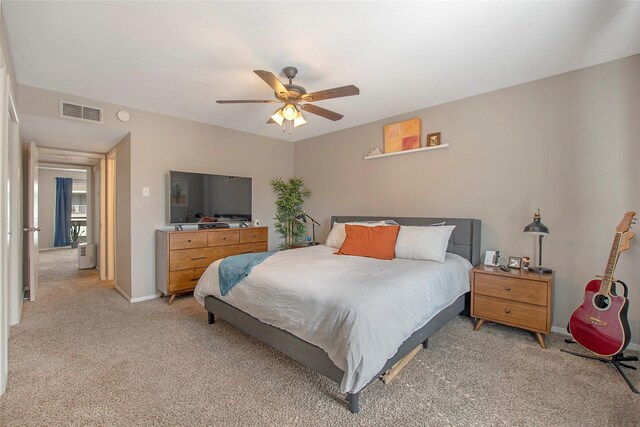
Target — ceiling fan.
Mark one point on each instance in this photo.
(296, 98)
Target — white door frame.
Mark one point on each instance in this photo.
(32, 228)
(16, 284)
(4, 209)
(111, 215)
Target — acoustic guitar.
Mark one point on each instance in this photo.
(600, 324)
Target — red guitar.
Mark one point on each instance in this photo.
(600, 323)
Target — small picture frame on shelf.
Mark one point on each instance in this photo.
(515, 262)
(433, 139)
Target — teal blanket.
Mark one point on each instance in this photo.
(235, 268)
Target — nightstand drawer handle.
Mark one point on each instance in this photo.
(189, 241)
(201, 257)
(507, 311)
(508, 288)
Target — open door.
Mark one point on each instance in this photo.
(33, 225)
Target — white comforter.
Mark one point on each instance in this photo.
(359, 310)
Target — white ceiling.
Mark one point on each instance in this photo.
(177, 58)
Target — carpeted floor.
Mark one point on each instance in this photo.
(85, 356)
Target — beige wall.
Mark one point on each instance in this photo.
(568, 144)
(160, 143)
(47, 202)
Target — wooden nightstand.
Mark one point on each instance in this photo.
(516, 298)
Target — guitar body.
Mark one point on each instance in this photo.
(600, 323)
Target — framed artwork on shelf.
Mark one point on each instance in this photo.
(402, 136)
(433, 139)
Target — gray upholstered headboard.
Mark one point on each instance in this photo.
(464, 241)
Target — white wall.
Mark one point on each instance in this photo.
(8, 170)
(160, 143)
(568, 144)
(47, 201)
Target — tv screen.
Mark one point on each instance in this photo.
(193, 196)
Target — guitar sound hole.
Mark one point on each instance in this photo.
(601, 302)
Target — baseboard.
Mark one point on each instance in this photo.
(145, 298)
(563, 331)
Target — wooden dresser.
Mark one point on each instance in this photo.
(182, 256)
(516, 298)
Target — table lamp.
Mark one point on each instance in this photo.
(302, 218)
(541, 230)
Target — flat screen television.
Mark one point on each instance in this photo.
(193, 196)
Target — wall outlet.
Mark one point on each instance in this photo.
(145, 191)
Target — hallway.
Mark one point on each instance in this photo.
(58, 272)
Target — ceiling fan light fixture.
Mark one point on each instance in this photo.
(290, 112)
(299, 120)
(278, 117)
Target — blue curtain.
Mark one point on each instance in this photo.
(63, 211)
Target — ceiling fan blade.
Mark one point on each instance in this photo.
(323, 112)
(336, 92)
(246, 101)
(273, 81)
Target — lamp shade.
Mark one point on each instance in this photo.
(299, 120)
(278, 117)
(536, 227)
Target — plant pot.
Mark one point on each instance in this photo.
(74, 245)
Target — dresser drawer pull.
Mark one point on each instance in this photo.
(224, 238)
(189, 240)
(200, 257)
(508, 288)
(506, 310)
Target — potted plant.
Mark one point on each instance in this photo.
(74, 233)
(291, 195)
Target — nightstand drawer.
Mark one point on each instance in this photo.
(187, 241)
(510, 312)
(514, 289)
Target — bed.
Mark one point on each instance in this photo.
(302, 303)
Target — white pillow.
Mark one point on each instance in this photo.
(336, 236)
(423, 243)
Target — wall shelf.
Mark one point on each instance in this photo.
(397, 153)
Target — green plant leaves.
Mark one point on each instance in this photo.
(291, 195)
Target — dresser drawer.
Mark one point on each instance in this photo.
(514, 289)
(183, 280)
(192, 258)
(510, 312)
(253, 235)
(187, 240)
(223, 237)
(245, 249)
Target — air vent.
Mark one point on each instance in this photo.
(80, 112)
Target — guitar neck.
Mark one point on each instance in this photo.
(607, 278)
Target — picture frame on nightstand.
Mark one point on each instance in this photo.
(515, 262)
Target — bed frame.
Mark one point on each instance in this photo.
(464, 241)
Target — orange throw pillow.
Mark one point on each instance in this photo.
(372, 242)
